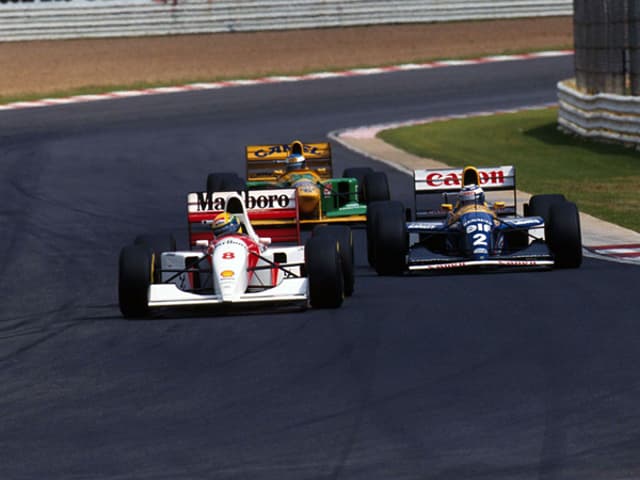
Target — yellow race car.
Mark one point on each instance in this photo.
(306, 167)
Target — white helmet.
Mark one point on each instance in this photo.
(295, 161)
(471, 195)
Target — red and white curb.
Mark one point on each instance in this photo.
(49, 102)
(629, 253)
(370, 131)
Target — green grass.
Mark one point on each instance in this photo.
(97, 89)
(603, 179)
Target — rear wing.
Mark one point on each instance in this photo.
(263, 161)
(432, 187)
(272, 213)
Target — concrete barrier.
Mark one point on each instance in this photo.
(62, 19)
(601, 116)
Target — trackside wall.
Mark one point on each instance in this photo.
(601, 116)
(63, 19)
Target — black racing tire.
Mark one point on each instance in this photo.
(324, 270)
(344, 237)
(134, 278)
(358, 173)
(539, 205)
(376, 187)
(564, 236)
(157, 243)
(225, 182)
(372, 218)
(390, 239)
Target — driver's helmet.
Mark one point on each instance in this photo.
(471, 195)
(225, 224)
(295, 161)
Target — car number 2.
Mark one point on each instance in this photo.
(480, 240)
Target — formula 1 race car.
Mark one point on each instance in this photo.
(455, 227)
(234, 267)
(308, 168)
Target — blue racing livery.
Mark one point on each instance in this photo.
(472, 232)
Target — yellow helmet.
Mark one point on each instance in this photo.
(225, 224)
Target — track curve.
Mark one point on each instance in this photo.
(518, 376)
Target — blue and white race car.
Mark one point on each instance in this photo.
(456, 226)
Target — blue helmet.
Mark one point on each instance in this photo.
(295, 161)
(471, 195)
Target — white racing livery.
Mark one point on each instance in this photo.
(238, 269)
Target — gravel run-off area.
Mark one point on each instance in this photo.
(44, 67)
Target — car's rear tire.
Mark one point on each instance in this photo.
(390, 239)
(376, 187)
(344, 237)
(372, 216)
(134, 278)
(564, 235)
(225, 182)
(358, 173)
(324, 269)
(539, 205)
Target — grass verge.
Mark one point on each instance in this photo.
(603, 179)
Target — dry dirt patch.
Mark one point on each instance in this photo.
(42, 67)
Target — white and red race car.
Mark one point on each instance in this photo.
(238, 269)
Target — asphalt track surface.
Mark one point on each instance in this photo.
(501, 376)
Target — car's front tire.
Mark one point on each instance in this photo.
(343, 235)
(564, 235)
(157, 243)
(134, 278)
(390, 239)
(324, 269)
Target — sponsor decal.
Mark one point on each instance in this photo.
(474, 223)
(424, 226)
(280, 149)
(448, 265)
(518, 262)
(453, 179)
(253, 200)
(230, 242)
(227, 273)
